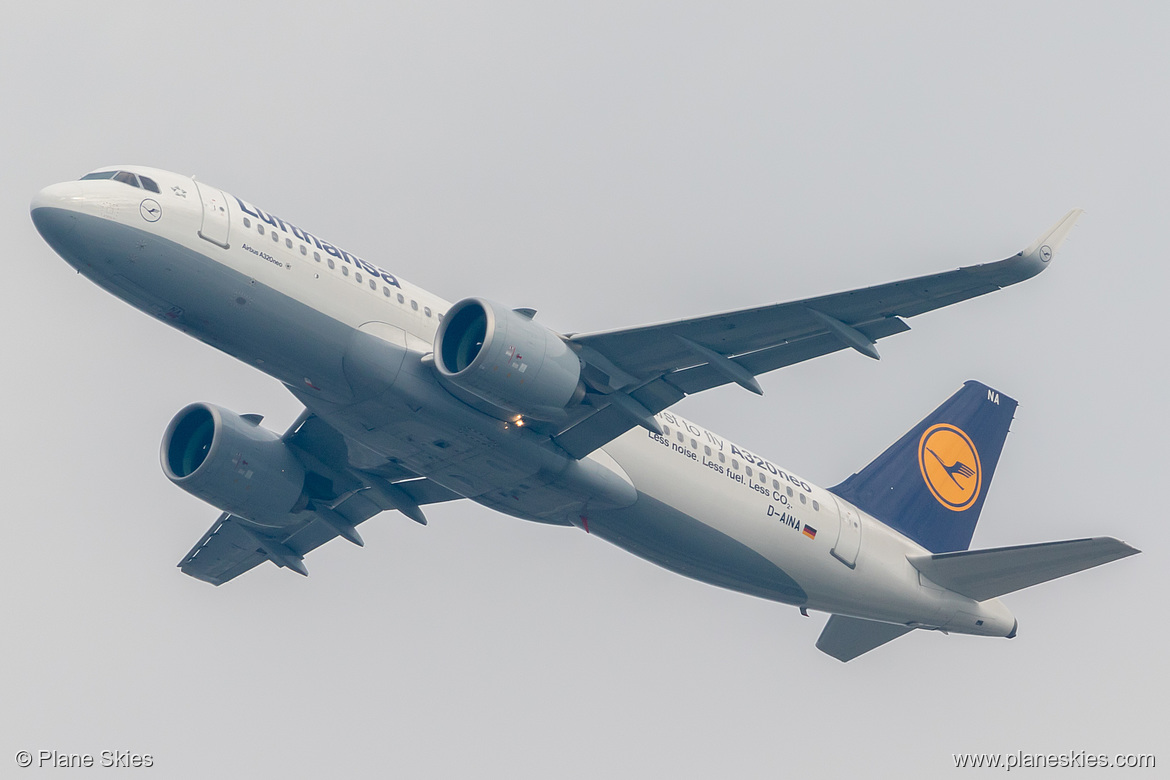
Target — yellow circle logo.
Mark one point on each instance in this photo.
(950, 466)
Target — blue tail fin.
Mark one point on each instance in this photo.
(931, 483)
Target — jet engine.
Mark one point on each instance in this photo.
(232, 463)
(506, 359)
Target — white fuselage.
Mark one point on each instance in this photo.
(313, 316)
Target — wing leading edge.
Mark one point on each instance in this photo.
(234, 545)
(657, 365)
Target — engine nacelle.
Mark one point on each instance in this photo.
(508, 360)
(233, 464)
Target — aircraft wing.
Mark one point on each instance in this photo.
(344, 498)
(655, 366)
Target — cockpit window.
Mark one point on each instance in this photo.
(125, 177)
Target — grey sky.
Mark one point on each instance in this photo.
(607, 164)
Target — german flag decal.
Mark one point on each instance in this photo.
(809, 531)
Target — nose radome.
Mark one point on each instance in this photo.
(55, 211)
(66, 195)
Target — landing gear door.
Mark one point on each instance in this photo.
(849, 537)
(216, 217)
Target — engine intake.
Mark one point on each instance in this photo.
(233, 464)
(506, 359)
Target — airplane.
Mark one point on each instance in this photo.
(410, 400)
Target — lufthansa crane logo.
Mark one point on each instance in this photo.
(150, 210)
(950, 466)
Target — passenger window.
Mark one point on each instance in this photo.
(357, 275)
(427, 310)
(345, 270)
(304, 250)
(414, 305)
(288, 243)
(735, 464)
(789, 492)
(763, 478)
(803, 499)
(126, 178)
(722, 458)
(680, 437)
(386, 291)
(260, 228)
(401, 299)
(373, 285)
(775, 485)
(148, 183)
(330, 261)
(247, 222)
(748, 470)
(317, 256)
(666, 430)
(816, 506)
(706, 450)
(275, 237)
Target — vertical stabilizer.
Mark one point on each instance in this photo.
(930, 484)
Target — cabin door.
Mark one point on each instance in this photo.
(849, 537)
(216, 217)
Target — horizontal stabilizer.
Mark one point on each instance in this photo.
(845, 638)
(986, 574)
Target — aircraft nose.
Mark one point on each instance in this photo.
(66, 195)
(55, 212)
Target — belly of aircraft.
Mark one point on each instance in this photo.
(657, 532)
(407, 420)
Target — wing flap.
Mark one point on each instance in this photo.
(233, 545)
(845, 638)
(698, 378)
(607, 423)
(659, 364)
(986, 574)
(224, 552)
(424, 491)
(650, 349)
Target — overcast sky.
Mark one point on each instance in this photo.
(607, 164)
